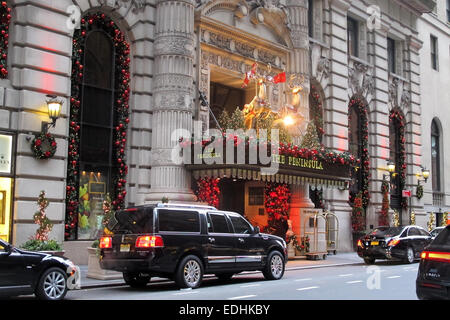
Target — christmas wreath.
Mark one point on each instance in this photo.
(43, 146)
(419, 192)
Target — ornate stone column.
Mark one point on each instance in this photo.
(172, 98)
(299, 62)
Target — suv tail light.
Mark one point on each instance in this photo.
(149, 242)
(105, 243)
(436, 256)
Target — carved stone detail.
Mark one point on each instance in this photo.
(135, 5)
(360, 80)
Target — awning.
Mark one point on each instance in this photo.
(282, 177)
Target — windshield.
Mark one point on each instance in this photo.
(386, 231)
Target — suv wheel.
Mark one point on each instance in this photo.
(368, 260)
(189, 273)
(274, 269)
(52, 285)
(135, 280)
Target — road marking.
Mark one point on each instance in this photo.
(186, 292)
(304, 279)
(307, 288)
(346, 275)
(250, 285)
(393, 277)
(354, 281)
(242, 297)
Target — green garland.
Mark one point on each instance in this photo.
(363, 153)
(98, 21)
(5, 19)
(303, 246)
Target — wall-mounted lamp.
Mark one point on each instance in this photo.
(424, 173)
(54, 107)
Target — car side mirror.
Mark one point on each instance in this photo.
(8, 250)
(256, 230)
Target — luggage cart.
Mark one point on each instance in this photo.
(332, 227)
(315, 222)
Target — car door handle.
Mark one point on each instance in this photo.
(212, 240)
(241, 240)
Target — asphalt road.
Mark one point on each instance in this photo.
(382, 281)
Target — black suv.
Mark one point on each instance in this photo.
(184, 242)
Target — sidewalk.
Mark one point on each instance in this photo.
(295, 263)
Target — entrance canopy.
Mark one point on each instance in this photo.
(286, 164)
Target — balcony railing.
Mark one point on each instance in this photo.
(438, 199)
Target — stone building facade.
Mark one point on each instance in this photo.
(344, 54)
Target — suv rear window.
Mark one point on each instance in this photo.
(178, 220)
(133, 220)
(443, 238)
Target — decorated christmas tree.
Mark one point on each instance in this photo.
(311, 139)
(41, 219)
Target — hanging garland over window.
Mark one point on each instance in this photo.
(383, 219)
(5, 19)
(98, 21)
(208, 191)
(397, 118)
(364, 160)
(317, 111)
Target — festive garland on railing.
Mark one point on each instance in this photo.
(383, 219)
(364, 160)
(5, 19)
(98, 21)
(397, 119)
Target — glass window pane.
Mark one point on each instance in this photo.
(94, 183)
(219, 223)
(240, 225)
(95, 144)
(99, 64)
(97, 106)
(177, 220)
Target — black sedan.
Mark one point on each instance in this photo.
(433, 277)
(393, 243)
(23, 272)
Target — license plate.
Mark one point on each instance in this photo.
(374, 243)
(124, 248)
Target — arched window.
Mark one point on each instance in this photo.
(355, 148)
(435, 157)
(99, 114)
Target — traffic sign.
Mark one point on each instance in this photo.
(406, 193)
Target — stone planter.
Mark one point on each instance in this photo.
(95, 271)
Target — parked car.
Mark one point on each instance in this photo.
(433, 276)
(393, 243)
(436, 231)
(184, 242)
(24, 272)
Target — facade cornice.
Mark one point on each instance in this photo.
(419, 7)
